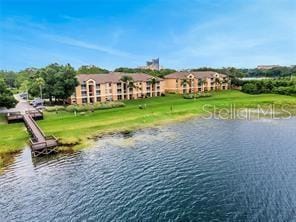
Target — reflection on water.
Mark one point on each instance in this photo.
(201, 170)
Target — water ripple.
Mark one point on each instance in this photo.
(195, 171)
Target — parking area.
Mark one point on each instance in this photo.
(21, 107)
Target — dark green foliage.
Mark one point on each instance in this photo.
(60, 81)
(280, 86)
(6, 97)
(250, 88)
(9, 78)
(157, 73)
(91, 69)
(282, 71)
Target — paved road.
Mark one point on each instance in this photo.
(22, 106)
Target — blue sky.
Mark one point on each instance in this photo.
(114, 33)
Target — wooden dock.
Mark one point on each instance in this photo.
(40, 143)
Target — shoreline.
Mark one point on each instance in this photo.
(64, 148)
(83, 130)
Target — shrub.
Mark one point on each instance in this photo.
(250, 88)
(196, 96)
(291, 90)
(71, 108)
(82, 108)
(280, 86)
(189, 96)
(205, 94)
(108, 105)
(54, 108)
(92, 107)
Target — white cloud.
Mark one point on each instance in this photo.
(86, 45)
(246, 37)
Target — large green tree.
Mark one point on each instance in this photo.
(91, 69)
(6, 97)
(9, 77)
(59, 81)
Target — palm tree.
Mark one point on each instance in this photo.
(25, 87)
(225, 81)
(201, 83)
(128, 83)
(153, 82)
(217, 83)
(40, 82)
(184, 83)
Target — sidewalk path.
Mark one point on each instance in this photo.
(22, 106)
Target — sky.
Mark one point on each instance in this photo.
(127, 33)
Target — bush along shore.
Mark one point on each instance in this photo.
(77, 131)
(85, 107)
(197, 95)
(279, 86)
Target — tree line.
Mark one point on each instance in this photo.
(285, 86)
(276, 72)
(54, 82)
(6, 96)
(57, 82)
(157, 73)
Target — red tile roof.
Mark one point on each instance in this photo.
(198, 74)
(114, 77)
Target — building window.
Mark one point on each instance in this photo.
(110, 84)
(98, 92)
(119, 97)
(83, 94)
(83, 86)
(98, 99)
(84, 100)
(98, 86)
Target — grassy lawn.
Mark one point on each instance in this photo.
(76, 130)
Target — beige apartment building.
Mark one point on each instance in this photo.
(111, 87)
(193, 82)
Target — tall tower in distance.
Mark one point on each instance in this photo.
(152, 65)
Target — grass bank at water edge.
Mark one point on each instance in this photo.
(76, 131)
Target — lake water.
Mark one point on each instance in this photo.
(199, 170)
